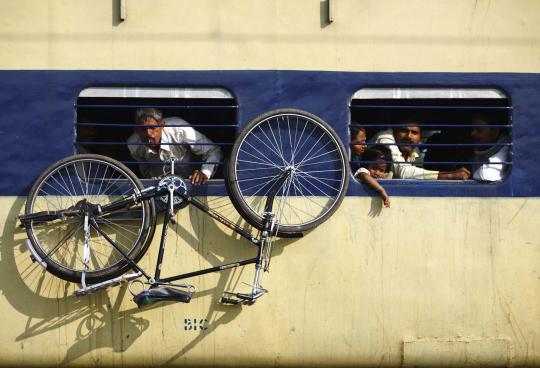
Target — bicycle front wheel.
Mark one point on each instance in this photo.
(301, 144)
(77, 181)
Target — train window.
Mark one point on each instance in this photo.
(434, 133)
(105, 120)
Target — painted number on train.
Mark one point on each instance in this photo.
(195, 324)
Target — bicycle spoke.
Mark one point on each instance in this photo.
(62, 241)
(311, 149)
(304, 141)
(274, 148)
(322, 194)
(255, 178)
(303, 163)
(320, 181)
(269, 183)
(296, 148)
(277, 144)
(116, 241)
(260, 163)
(263, 157)
(318, 163)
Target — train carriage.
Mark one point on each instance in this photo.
(448, 276)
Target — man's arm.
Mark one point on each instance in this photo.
(404, 170)
(400, 168)
(459, 174)
(409, 171)
(208, 152)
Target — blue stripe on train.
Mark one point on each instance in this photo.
(38, 116)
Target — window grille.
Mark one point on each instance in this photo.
(445, 116)
(105, 118)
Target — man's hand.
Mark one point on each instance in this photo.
(459, 174)
(198, 177)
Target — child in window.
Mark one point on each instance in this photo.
(375, 165)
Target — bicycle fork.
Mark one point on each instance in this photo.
(86, 249)
(268, 231)
(264, 252)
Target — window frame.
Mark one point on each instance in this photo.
(417, 94)
(224, 99)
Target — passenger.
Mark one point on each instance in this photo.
(494, 152)
(406, 157)
(159, 149)
(375, 165)
(358, 135)
(442, 147)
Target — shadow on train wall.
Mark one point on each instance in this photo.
(108, 318)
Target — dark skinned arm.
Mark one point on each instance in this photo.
(367, 179)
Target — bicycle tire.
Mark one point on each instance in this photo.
(99, 180)
(302, 143)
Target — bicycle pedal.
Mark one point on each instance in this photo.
(159, 294)
(241, 298)
(237, 300)
(233, 301)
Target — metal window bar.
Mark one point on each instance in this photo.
(422, 125)
(175, 162)
(420, 163)
(120, 125)
(434, 144)
(113, 143)
(434, 107)
(117, 106)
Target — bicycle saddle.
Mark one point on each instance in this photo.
(158, 294)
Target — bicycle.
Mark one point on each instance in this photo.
(89, 219)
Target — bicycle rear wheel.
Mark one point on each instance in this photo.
(71, 183)
(302, 144)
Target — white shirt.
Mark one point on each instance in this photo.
(185, 153)
(362, 170)
(494, 170)
(404, 171)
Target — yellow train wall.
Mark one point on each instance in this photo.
(431, 281)
(366, 35)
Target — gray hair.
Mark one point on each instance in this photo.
(141, 115)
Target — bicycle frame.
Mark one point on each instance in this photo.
(263, 240)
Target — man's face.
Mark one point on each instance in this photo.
(480, 133)
(360, 138)
(407, 134)
(149, 133)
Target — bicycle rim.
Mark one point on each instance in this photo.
(315, 157)
(100, 181)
